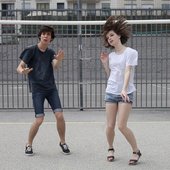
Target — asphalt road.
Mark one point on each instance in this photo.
(86, 138)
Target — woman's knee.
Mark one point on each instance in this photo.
(110, 127)
(121, 127)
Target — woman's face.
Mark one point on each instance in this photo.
(112, 38)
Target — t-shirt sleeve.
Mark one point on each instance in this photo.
(132, 58)
(26, 55)
(52, 54)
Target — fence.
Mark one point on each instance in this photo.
(81, 79)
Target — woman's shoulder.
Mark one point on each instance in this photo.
(131, 50)
(111, 53)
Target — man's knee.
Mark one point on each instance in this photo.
(59, 116)
(39, 120)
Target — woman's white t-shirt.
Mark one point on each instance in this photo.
(117, 65)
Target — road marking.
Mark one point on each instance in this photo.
(85, 122)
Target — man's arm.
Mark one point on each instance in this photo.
(22, 69)
(56, 63)
(58, 58)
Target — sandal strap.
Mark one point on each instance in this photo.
(133, 160)
(137, 153)
(110, 156)
(111, 149)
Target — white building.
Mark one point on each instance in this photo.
(93, 6)
(86, 4)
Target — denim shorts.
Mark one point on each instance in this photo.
(52, 98)
(113, 98)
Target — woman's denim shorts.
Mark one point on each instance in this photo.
(113, 98)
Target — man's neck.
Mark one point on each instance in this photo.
(42, 47)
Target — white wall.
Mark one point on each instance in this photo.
(114, 3)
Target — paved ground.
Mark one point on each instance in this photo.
(86, 138)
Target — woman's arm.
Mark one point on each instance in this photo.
(127, 77)
(126, 83)
(106, 68)
(105, 61)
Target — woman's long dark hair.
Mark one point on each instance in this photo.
(119, 26)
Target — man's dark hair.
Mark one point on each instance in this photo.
(47, 28)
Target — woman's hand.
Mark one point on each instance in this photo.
(104, 57)
(124, 95)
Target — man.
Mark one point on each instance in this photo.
(38, 62)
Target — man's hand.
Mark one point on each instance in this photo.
(60, 55)
(58, 58)
(26, 71)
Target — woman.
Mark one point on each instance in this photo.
(119, 67)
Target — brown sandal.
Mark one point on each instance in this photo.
(110, 158)
(135, 161)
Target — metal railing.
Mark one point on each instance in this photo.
(81, 79)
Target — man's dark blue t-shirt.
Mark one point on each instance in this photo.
(42, 76)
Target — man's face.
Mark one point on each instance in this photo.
(45, 37)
